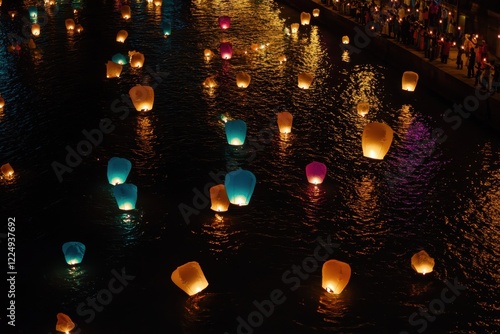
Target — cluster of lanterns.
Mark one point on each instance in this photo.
(124, 193)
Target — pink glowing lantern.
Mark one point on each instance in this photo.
(315, 172)
(226, 50)
(224, 22)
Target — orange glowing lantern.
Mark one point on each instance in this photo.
(121, 36)
(243, 79)
(142, 97)
(294, 28)
(207, 53)
(126, 12)
(305, 18)
(64, 323)
(136, 59)
(190, 278)
(158, 3)
(113, 70)
(254, 47)
(78, 28)
(316, 12)
(12, 13)
(305, 80)
(282, 59)
(363, 108)
(409, 81)
(422, 263)
(7, 171)
(219, 199)
(210, 82)
(376, 140)
(70, 24)
(35, 29)
(335, 276)
(285, 120)
(2, 102)
(345, 40)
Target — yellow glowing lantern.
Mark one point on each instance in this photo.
(210, 82)
(2, 102)
(142, 97)
(150, 1)
(409, 81)
(243, 79)
(121, 36)
(190, 278)
(157, 3)
(136, 59)
(363, 108)
(335, 276)
(126, 12)
(285, 120)
(12, 13)
(218, 197)
(294, 28)
(376, 140)
(208, 54)
(316, 12)
(35, 29)
(305, 80)
(254, 47)
(345, 40)
(305, 18)
(422, 263)
(70, 24)
(113, 70)
(78, 28)
(282, 59)
(64, 323)
(7, 171)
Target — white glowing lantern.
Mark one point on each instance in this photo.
(316, 12)
(305, 18)
(345, 40)
(121, 36)
(35, 29)
(126, 12)
(305, 80)
(136, 59)
(142, 97)
(294, 28)
(422, 263)
(335, 276)
(409, 81)
(282, 59)
(363, 108)
(210, 82)
(113, 70)
(243, 79)
(376, 140)
(190, 278)
(70, 24)
(285, 120)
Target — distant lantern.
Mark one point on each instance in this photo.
(142, 97)
(210, 82)
(285, 122)
(294, 28)
(207, 53)
(118, 170)
(136, 59)
(7, 171)
(305, 80)
(125, 195)
(316, 172)
(126, 12)
(335, 276)
(316, 12)
(33, 12)
(282, 59)
(73, 252)
(121, 36)
(226, 50)
(113, 70)
(166, 27)
(218, 198)
(422, 263)
(240, 185)
(119, 59)
(158, 3)
(345, 40)
(363, 108)
(243, 79)
(35, 29)
(190, 278)
(224, 22)
(78, 28)
(305, 18)
(376, 140)
(70, 24)
(64, 323)
(236, 132)
(12, 13)
(409, 81)
(2, 102)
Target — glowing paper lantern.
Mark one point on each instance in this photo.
(136, 59)
(294, 28)
(409, 81)
(35, 29)
(422, 263)
(243, 79)
(142, 97)
(305, 80)
(113, 70)
(33, 12)
(254, 47)
(73, 252)
(2, 102)
(285, 122)
(207, 53)
(305, 18)
(282, 59)
(335, 276)
(224, 22)
(210, 82)
(190, 278)
(316, 12)
(64, 323)
(240, 185)
(70, 24)
(376, 140)
(78, 28)
(158, 3)
(126, 12)
(226, 50)
(118, 170)
(316, 172)
(125, 195)
(7, 171)
(121, 36)
(218, 198)
(345, 40)
(236, 132)
(363, 108)
(119, 59)
(166, 27)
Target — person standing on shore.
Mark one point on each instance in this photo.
(471, 62)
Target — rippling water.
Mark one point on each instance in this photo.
(441, 197)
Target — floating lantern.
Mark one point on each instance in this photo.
(190, 278)
(119, 59)
(210, 82)
(125, 195)
(73, 252)
(150, 1)
(121, 36)
(70, 24)
(409, 81)
(422, 263)
(126, 12)
(335, 276)
(224, 22)
(166, 27)
(254, 47)
(240, 185)
(113, 70)
(376, 140)
(316, 12)
(282, 59)
(294, 28)
(363, 108)
(78, 28)
(64, 323)
(345, 40)
(316, 172)
(7, 171)
(243, 79)
(142, 97)
(12, 13)
(305, 80)
(285, 122)
(2, 102)
(207, 53)
(218, 198)
(35, 29)
(136, 59)
(236, 131)
(33, 12)
(31, 45)
(226, 50)
(305, 18)
(158, 3)
(118, 170)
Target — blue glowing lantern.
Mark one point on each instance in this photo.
(236, 132)
(118, 170)
(73, 252)
(166, 27)
(239, 186)
(33, 12)
(125, 195)
(119, 59)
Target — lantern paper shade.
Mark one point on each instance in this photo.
(285, 122)
(136, 59)
(190, 278)
(73, 252)
(305, 18)
(316, 172)
(243, 79)
(118, 170)
(113, 70)
(64, 323)
(121, 36)
(335, 276)
(345, 40)
(210, 82)
(78, 28)
(7, 171)
(305, 80)
(166, 27)
(240, 185)
(294, 28)
(35, 29)
(316, 12)
(33, 12)
(218, 198)
(126, 12)
(224, 22)
(125, 195)
(282, 59)
(376, 140)
(226, 50)
(158, 3)
(422, 263)
(119, 59)
(207, 53)
(2, 102)
(70, 24)
(363, 108)
(409, 81)
(236, 132)
(142, 97)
